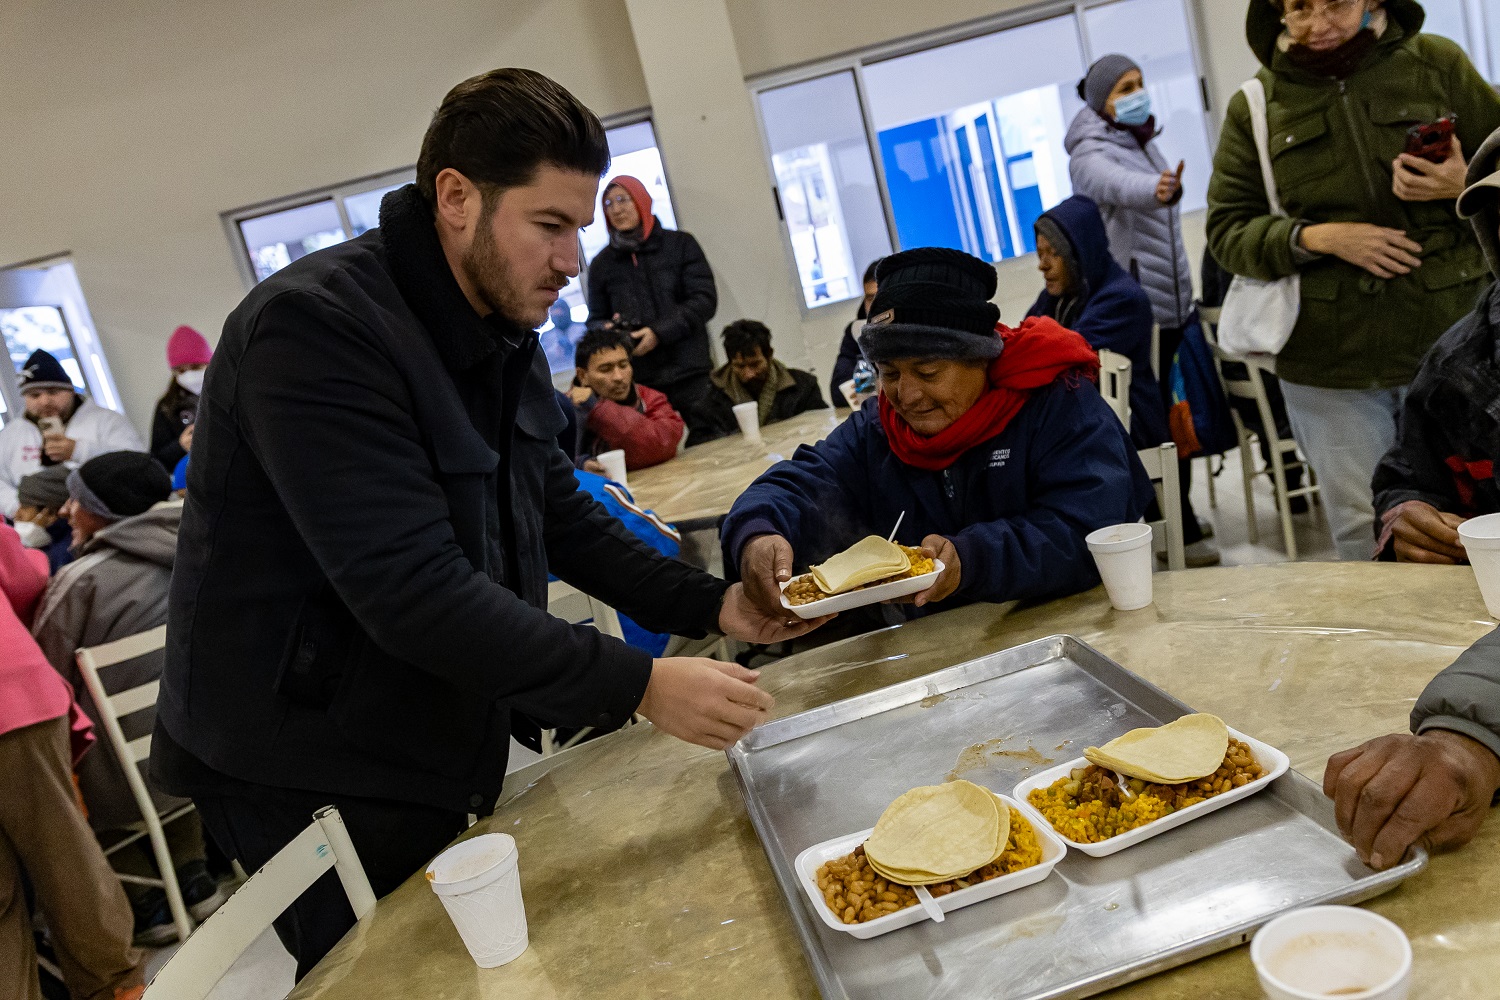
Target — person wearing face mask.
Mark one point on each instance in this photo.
(1385, 264)
(188, 355)
(849, 356)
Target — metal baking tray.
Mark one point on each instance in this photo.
(1097, 923)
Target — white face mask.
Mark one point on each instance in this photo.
(192, 381)
(33, 536)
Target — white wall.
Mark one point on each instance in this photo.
(128, 128)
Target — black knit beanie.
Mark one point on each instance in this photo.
(120, 484)
(43, 371)
(933, 303)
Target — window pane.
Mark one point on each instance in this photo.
(826, 179)
(971, 136)
(363, 209)
(275, 240)
(1154, 33)
(32, 328)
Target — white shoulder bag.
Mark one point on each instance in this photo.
(1258, 316)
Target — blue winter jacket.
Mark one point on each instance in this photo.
(1111, 312)
(1016, 507)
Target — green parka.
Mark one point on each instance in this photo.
(1332, 143)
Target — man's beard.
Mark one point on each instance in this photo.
(495, 282)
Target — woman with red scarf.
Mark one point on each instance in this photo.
(994, 442)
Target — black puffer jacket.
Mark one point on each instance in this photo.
(375, 499)
(668, 286)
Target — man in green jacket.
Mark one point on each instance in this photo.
(1386, 266)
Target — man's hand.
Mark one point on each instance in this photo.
(58, 448)
(1395, 791)
(765, 564)
(185, 439)
(704, 701)
(745, 620)
(1423, 534)
(645, 341)
(579, 394)
(593, 465)
(936, 547)
(1383, 252)
(1170, 183)
(1416, 179)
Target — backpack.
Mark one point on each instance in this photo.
(1199, 415)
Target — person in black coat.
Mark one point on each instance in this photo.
(844, 364)
(358, 608)
(754, 375)
(656, 285)
(188, 354)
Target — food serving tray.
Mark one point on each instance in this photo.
(1094, 923)
(851, 599)
(1273, 761)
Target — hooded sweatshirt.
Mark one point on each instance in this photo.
(1109, 309)
(663, 283)
(115, 588)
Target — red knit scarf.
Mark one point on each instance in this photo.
(1037, 353)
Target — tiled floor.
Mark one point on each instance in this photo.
(266, 970)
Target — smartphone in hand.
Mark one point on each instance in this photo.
(51, 426)
(1432, 142)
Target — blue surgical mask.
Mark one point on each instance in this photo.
(1134, 108)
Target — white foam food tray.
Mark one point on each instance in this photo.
(810, 860)
(1273, 763)
(852, 599)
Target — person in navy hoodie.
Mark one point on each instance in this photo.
(994, 442)
(1088, 292)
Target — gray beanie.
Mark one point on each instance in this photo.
(1101, 79)
(1480, 202)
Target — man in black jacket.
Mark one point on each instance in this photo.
(656, 285)
(357, 615)
(753, 375)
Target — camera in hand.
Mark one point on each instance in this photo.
(1433, 142)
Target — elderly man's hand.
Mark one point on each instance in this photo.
(937, 547)
(765, 564)
(1399, 790)
(1423, 534)
(745, 620)
(58, 448)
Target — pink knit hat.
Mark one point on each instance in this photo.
(187, 347)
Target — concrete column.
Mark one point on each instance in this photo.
(721, 183)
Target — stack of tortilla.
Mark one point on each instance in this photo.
(937, 833)
(1190, 748)
(871, 558)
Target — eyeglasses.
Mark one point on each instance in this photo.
(625, 199)
(1332, 10)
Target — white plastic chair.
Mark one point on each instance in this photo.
(130, 754)
(1166, 534)
(1283, 451)
(196, 967)
(577, 608)
(1114, 384)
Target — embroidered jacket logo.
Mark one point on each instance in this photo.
(999, 457)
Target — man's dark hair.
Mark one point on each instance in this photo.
(597, 341)
(743, 336)
(497, 128)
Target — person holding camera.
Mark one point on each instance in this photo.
(655, 285)
(1369, 124)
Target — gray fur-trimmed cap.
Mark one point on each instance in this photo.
(932, 302)
(1480, 202)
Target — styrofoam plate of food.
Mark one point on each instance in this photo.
(810, 860)
(870, 594)
(1273, 764)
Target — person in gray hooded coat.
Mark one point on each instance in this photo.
(125, 541)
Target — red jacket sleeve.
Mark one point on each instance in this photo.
(23, 574)
(648, 438)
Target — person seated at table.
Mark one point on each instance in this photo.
(848, 357)
(39, 517)
(1440, 472)
(753, 375)
(993, 442)
(1434, 786)
(614, 412)
(1089, 292)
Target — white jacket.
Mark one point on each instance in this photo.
(98, 431)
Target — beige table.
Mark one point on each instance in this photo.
(643, 877)
(704, 481)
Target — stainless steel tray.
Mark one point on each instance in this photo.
(1096, 923)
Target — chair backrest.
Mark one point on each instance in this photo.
(577, 608)
(1156, 350)
(1250, 385)
(201, 962)
(1114, 384)
(111, 707)
(1166, 534)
